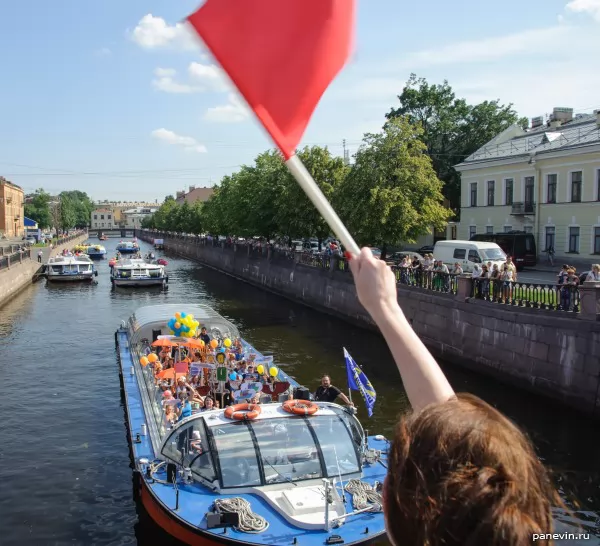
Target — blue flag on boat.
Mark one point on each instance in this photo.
(358, 381)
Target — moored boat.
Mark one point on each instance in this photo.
(96, 251)
(137, 272)
(70, 269)
(128, 247)
(159, 244)
(296, 472)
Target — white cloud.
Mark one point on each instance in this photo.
(165, 81)
(154, 32)
(590, 7)
(235, 111)
(490, 49)
(189, 144)
(210, 76)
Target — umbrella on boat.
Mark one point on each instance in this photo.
(193, 343)
(170, 374)
(163, 343)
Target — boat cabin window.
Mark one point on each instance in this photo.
(236, 455)
(287, 450)
(339, 452)
(189, 447)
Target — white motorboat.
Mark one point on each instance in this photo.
(138, 272)
(70, 268)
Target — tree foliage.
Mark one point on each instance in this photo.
(38, 209)
(452, 128)
(392, 194)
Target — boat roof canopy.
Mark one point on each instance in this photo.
(155, 317)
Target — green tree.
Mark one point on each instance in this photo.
(295, 213)
(81, 207)
(68, 212)
(392, 193)
(452, 129)
(39, 209)
(165, 218)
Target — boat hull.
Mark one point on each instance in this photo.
(97, 255)
(70, 278)
(139, 282)
(128, 250)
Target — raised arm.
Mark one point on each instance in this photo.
(423, 379)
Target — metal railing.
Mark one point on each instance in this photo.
(554, 297)
(14, 258)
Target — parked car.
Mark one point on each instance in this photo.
(427, 249)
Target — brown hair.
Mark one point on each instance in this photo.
(460, 473)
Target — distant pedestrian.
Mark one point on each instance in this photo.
(40, 254)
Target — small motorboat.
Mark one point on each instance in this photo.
(285, 471)
(96, 251)
(128, 247)
(137, 272)
(70, 268)
(102, 237)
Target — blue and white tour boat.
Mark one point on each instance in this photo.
(137, 272)
(96, 251)
(70, 268)
(128, 247)
(282, 471)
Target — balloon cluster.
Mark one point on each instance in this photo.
(273, 371)
(145, 360)
(183, 325)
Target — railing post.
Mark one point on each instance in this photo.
(464, 287)
(589, 301)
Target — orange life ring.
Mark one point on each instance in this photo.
(300, 407)
(241, 412)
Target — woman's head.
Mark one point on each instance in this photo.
(460, 473)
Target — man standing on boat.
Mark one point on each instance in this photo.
(328, 393)
(204, 335)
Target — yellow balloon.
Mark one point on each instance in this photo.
(177, 316)
(144, 361)
(227, 342)
(273, 371)
(152, 357)
(191, 318)
(260, 369)
(177, 325)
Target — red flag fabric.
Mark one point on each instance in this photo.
(281, 55)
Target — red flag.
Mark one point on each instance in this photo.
(281, 55)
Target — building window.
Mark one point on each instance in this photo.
(490, 193)
(576, 179)
(102, 218)
(507, 229)
(108, 216)
(453, 233)
(472, 231)
(508, 192)
(95, 217)
(529, 193)
(550, 234)
(474, 194)
(552, 179)
(573, 239)
(489, 229)
(597, 240)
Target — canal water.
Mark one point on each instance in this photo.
(64, 461)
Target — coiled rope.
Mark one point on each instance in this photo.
(363, 496)
(249, 521)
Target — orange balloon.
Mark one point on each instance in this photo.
(152, 357)
(144, 361)
(214, 343)
(177, 325)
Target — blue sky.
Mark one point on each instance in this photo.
(113, 98)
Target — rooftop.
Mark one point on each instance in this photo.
(582, 130)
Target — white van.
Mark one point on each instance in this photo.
(468, 253)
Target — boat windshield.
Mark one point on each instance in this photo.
(267, 451)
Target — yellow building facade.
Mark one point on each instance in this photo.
(12, 211)
(544, 181)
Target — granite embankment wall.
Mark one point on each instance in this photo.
(548, 352)
(21, 274)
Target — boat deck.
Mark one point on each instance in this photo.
(195, 500)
